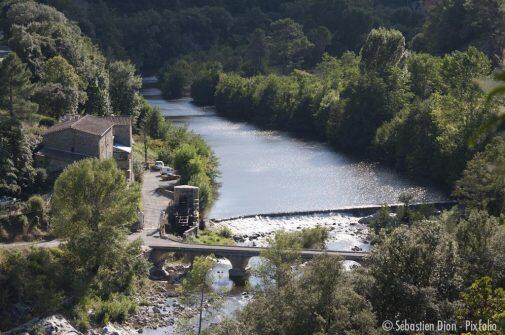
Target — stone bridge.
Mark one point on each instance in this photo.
(238, 256)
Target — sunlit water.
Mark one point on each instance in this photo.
(269, 171)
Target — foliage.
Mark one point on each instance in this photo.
(61, 91)
(331, 304)
(456, 24)
(174, 79)
(124, 89)
(16, 87)
(38, 33)
(197, 283)
(16, 162)
(483, 301)
(483, 182)
(93, 206)
(204, 87)
(33, 283)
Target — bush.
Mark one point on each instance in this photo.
(36, 211)
(314, 237)
(114, 309)
(204, 87)
(174, 79)
(225, 232)
(33, 283)
(138, 172)
(47, 121)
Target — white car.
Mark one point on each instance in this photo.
(167, 170)
(158, 165)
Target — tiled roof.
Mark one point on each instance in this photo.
(119, 120)
(88, 124)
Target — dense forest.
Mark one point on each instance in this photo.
(406, 82)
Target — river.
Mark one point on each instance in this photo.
(270, 171)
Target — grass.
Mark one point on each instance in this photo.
(212, 237)
(153, 147)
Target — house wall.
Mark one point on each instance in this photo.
(71, 140)
(123, 135)
(106, 145)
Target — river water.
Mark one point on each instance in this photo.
(269, 171)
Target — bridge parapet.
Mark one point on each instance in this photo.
(238, 256)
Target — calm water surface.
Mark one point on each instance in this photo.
(269, 171)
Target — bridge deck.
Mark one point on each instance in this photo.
(202, 249)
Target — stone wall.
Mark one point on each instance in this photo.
(106, 145)
(123, 134)
(70, 140)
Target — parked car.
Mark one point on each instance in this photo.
(158, 165)
(167, 170)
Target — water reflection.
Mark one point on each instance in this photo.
(269, 171)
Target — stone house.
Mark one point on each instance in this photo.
(88, 136)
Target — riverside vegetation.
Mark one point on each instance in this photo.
(54, 70)
(405, 94)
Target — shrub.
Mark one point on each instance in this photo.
(114, 309)
(47, 121)
(225, 232)
(138, 172)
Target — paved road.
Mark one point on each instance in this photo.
(153, 201)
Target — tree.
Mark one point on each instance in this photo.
(474, 235)
(61, 90)
(124, 89)
(16, 87)
(98, 102)
(331, 304)
(483, 183)
(196, 284)
(383, 49)
(257, 53)
(203, 87)
(415, 273)
(174, 79)
(288, 45)
(16, 162)
(320, 37)
(93, 207)
(482, 301)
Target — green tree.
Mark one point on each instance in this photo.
(320, 37)
(124, 89)
(383, 49)
(16, 87)
(482, 301)
(415, 273)
(288, 45)
(257, 53)
(61, 90)
(16, 162)
(92, 208)
(482, 185)
(474, 235)
(203, 87)
(197, 283)
(174, 79)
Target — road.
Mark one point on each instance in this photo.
(154, 200)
